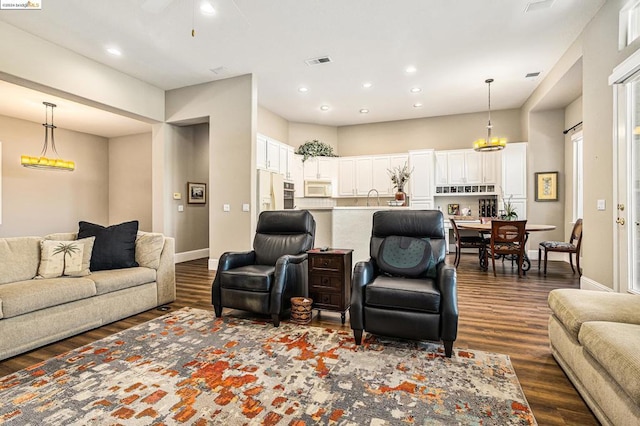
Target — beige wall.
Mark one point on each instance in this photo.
(299, 133)
(39, 202)
(572, 116)
(230, 107)
(446, 132)
(545, 153)
(190, 153)
(130, 180)
(272, 125)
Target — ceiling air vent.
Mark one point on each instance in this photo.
(532, 75)
(536, 5)
(318, 61)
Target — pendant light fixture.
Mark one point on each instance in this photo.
(43, 162)
(489, 144)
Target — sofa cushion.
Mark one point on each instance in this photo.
(118, 279)
(248, 278)
(114, 247)
(574, 307)
(22, 297)
(148, 249)
(19, 258)
(403, 293)
(615, 347)
(62, 236)
(65, 257)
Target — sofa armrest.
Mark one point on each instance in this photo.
(290, 279)
(166, 273)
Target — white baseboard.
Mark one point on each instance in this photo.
(191, 255)
(213, 264)
(589, 284)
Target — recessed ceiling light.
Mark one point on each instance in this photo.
(411, 69)
(114, 51)
(417, 105)
(324, 107)
(367, 85)
(416, 90)
(207, 9)
(364, 111)
(303, 89)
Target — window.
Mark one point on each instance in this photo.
(578, 193)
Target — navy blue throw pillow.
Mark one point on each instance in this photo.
(114, 247)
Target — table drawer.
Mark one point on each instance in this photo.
(326, 263)
(331, 300)
(327, 281)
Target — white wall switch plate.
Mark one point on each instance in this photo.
(226, 207)
(180, 208)
(177, 196)
(245, 207)
(602, 205)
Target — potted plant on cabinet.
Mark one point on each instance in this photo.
(315, 148)
(399, 177)
(509, 210)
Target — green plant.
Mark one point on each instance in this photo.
(509, 209)
(399, 176)
(315, 148)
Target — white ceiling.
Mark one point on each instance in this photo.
(454, 44)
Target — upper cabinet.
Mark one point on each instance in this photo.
(275, 156)
(442, 167)
(422, 177)
(491, 167)
(514, 170)
(466, 166)
(358, 175)
(321, 168)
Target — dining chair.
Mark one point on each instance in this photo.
(471, 241)
(572, 247)
(508, 238)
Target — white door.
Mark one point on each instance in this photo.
(327, 168)
(283, 164)
(626, 211)
(380, 175)
(261, 152)
(311, 168)
(442, 168)
(346, 177)
(456, 167)
(473, 166)
(273, 156)
(364, 174)
(514, 170)
(491, 165)
(422, 177)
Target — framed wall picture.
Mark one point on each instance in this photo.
(197, 193)
(547, 186)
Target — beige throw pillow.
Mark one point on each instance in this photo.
(71, 258)
(148, 249)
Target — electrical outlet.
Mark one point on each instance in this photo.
(226, 207)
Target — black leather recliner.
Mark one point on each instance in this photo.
(264, 280)
(410, 308)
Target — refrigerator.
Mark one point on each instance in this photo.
(270, 191)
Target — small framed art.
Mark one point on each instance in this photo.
(546, 186)
(197, 193)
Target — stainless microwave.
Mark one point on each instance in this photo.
(317, 188)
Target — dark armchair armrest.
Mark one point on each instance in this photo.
(363, 273)
(290, 279)
(229, 260)
(447, 284)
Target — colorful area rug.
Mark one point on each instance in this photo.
(188, 367)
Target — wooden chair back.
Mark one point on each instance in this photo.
(508, 238)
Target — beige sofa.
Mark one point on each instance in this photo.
(595, 338)
(36, 311)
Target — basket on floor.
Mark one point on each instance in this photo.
(301, 310)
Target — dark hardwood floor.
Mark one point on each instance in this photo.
(505, 314)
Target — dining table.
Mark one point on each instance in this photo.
(485, 228)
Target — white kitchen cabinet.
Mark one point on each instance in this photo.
(283, 163)
(514, 170)
(261, 152)
(363, 175)
(321, 168)
(422, 177)
(491, 167)
(273, 155)
(464, 167)
(296, 174)
(442, 168)
(380, 179)
(346, 176)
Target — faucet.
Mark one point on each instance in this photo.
(377, 196)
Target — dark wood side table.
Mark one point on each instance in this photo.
(330, 279)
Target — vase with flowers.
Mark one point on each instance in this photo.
(399, 177)
(509, 210)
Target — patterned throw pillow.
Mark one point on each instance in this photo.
(70, 258)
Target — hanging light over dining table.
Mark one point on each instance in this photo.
(43, 161)
(490, 143)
